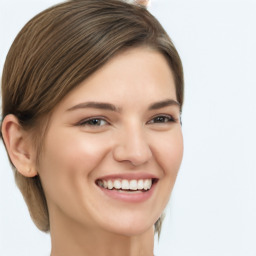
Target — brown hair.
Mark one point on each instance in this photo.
(56, 51)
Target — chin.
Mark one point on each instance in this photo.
(135, 231)
(131, 228)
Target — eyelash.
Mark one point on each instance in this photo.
(91, 121)
(167, 118)
(88, 122)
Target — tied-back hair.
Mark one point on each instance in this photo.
(57, 50)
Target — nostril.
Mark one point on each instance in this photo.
(135, 154)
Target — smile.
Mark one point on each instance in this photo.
(126, 185)
(128, 190)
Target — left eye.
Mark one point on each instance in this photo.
(94, 122)
(161, 119)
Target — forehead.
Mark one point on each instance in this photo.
(136, 74)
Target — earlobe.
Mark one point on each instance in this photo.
(19, 146)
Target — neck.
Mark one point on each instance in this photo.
(74, 239)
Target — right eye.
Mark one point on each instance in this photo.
(97, 122)
(162, 119)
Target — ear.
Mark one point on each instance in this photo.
(19, 146)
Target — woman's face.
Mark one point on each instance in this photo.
(119, 128)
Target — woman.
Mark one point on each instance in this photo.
(92, 93)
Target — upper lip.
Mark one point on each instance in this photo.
(128, 176)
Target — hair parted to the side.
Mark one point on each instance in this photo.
(57, 50)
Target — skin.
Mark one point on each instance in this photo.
(131, 139)
(143, 2)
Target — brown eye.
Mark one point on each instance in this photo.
(161, 119)
(94, 122)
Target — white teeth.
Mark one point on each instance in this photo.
(126, 184)
(147, 184)
(105, 184)
(133, 185)
(110, 184)
(117, 184)
(140, 184)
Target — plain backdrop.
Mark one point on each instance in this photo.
(212, 211)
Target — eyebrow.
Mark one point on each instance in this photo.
(111, 107)
(164, 103)
(98, 105)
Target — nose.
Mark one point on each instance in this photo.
(132, 147)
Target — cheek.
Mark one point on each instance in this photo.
(73, 151)
(66, 171)
(169, 157)
(174, 153)
(68, 160)
(169, 152)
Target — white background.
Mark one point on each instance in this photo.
(213, 207)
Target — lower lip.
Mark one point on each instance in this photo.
(131, 197)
